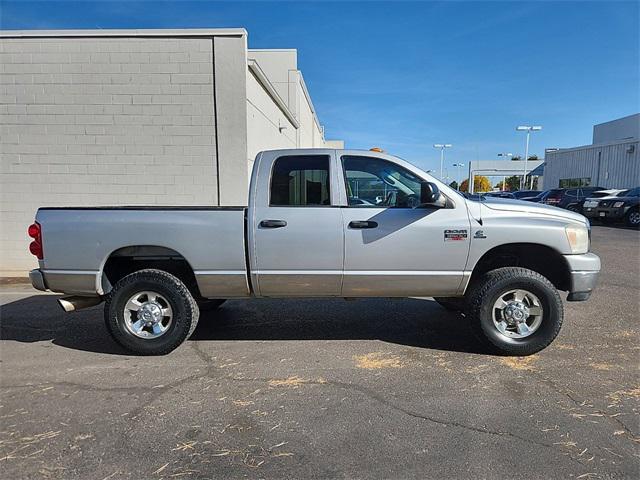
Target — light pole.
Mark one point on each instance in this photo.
(528, 129)
(459, 180)
(504, 179)
(442, 146)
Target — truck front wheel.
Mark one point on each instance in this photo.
(515, 311)
(150, 312)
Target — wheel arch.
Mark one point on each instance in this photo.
(128, 259)
(543, 259)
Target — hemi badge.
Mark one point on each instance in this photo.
(454, 235)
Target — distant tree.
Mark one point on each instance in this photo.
(480, 184)
(454, 185)
(516, 157)
(512, 184)
(533, 157)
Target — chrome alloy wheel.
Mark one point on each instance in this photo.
(147, 315)
(517, 314)
(634, 218)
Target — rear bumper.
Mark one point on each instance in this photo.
(71, 282)
(584, 272)
(37, 280)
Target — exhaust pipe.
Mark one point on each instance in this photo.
(73, 303)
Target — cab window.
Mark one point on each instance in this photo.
(373, 182)
(300, 181)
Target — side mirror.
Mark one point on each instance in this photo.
(429, 193)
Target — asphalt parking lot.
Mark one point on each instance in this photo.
(326, 388)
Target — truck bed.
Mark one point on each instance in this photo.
(78, 241)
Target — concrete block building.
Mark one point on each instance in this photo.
(138, 117)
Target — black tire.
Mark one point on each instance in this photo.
(632, 218)
(208, 304)
(185, 312)
(485, 292)
(452, 304)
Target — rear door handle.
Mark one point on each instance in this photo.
(363, 224)
(273, 224)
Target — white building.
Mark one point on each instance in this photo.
(138, 117)
(612, 161)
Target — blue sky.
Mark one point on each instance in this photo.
(405, 75)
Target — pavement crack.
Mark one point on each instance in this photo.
(447, 423)
(438, 421)
(79, 386)
(556, 388)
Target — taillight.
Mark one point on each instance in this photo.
(35, 247)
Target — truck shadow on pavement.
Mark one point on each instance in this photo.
(412, 322)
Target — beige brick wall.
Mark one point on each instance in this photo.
(102, 121)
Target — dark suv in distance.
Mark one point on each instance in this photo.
(539, 198)
(521, 194)
(623, 206)
(569, 198)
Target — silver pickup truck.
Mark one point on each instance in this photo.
(321, 223)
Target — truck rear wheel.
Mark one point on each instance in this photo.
(515, 311)
(150, 312)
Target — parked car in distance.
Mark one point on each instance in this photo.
(569, 198)
(500, 195)
(621, 206)
(522, 194)
(307, 233)
(537, 198)
(579, 206)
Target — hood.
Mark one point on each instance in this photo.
(507, 204)
(619, 199)
(608, 197)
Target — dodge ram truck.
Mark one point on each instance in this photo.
(320, 223)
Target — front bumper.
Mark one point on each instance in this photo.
(584, 271)
(605, 212)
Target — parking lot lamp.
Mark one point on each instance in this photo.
(442, 146)
(528, 129)
(458, 180)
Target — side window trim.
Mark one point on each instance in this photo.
(330, 189)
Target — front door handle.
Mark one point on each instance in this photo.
(273, 224)
(363, 224)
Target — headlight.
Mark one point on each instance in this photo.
(618, 204)
(578, 237)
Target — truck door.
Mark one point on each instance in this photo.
(393, 248)
(296, 229)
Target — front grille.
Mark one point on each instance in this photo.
(605, 203)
